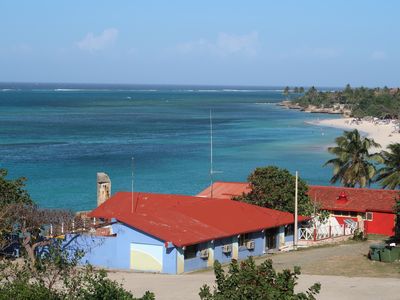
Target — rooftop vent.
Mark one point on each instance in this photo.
(342, 198)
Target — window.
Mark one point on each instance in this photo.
(289, 229)
(342, 213)
(369, 216)
(190, 251)
(243, 238)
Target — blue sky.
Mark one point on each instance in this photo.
(323, 43)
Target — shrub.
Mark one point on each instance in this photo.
(248, 281)
(273, 187)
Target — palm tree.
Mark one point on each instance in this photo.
(286, 92)
(353, 164)
(389, 175)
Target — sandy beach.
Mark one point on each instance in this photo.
(384, 134)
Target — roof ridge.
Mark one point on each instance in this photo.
(353, 188)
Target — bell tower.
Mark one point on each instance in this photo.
(103, 188)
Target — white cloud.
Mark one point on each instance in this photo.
(378, 55)
(93, 43)
(225, 44)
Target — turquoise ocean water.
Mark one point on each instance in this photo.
(59, 136)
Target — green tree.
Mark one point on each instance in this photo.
(12, 194)
(312, 91)
(12, 191)
(273, 187)
(49, 269)
(301, 90)
(56, 277)
(397, 224)
(248, 281)
(286, 92)
(353, 164)
(389, 175)
(348, 89)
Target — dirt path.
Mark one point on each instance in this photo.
(343, 270)
(346, 259)
(186, 287)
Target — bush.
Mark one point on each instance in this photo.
(247, 281)
(359, 235)
(273, 187)
(56, 276)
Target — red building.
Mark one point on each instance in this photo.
(372, 206)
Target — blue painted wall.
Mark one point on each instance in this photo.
(258, 238)
(218, 254)
(114, 252)
(197, 262)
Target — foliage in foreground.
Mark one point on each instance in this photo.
(56, 276)
(48, 270)
(13, 191)
(273, 187)
(248, 281)
(359, 235)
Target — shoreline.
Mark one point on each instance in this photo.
(336, 110)
(382, 133)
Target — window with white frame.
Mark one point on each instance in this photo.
(369, 216)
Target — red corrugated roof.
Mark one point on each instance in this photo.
(358, 199)
(226, 190)
(187, 220)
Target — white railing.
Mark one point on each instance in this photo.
(326, 231)
(306, 234)
(323, 232)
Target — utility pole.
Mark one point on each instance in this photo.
(295, 212)
(211, 156)
(132, 174)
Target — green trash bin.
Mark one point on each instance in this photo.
(390, 253)
(375, 251)
(396, 252)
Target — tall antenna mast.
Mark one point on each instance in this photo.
(296, 188)
(133, 159)
(212, 171)
(211, 155)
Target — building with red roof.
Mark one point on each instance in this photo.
(176, 233)
(372, 207)
(226, 190)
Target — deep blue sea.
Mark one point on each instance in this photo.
(60, 135)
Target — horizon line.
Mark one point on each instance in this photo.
(182, 84)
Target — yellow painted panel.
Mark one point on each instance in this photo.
(210, 260)
(142, 260)
(180, 261)
(235, 248)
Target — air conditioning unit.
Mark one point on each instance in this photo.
(204, 253)
(227, 248)
(250, 245)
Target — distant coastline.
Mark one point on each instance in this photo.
(383, 132)
(335, 110)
